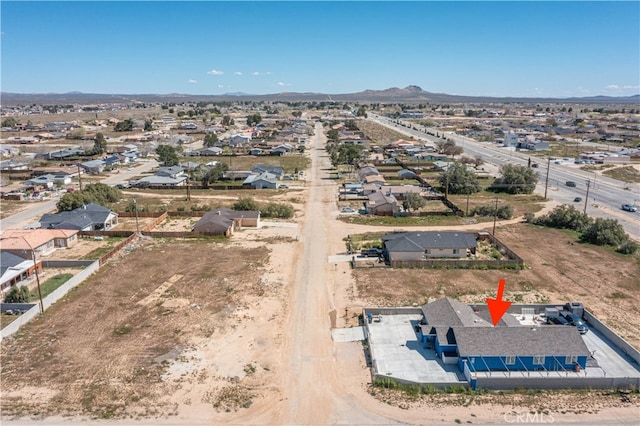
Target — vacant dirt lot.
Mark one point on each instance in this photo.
(119, 339)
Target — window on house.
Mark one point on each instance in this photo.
(571, 359)
(538, 359)
(510, 360)
(427, 251)
(456, 251)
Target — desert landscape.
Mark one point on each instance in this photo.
(238, 331)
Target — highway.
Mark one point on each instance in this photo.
(606, 195)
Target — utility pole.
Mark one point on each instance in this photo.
(467, 213)
(135, 207)
(546, 181)
(188, 189)
(586, 199)
(35, 266)
(79, 176)
(495, 216)
(446, 186)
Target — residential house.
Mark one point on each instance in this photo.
(90, 217)
(93, 166)
(212, 150)
(421, 245)
(15, 269)
(172, 172)
(262, 180)
(377, 179)
(241, 218)
(255, 151)
(382, 204)
(239, 140)
(367, 171)
(42, 242)
(274, 170)
(214, 223)
(401, 191)
(406, 174)
(157, 181)
(370, 188)
(462, 335)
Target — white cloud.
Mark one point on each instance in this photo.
(215, 72)
(282, 84)
(255, 73)
(537, 91)
(221, 86)
(621, 90)
(238, 73)
(192, 81)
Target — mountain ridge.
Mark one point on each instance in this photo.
(409, 94)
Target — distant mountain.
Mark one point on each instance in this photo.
(409, 94)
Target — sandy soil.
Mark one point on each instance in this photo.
(238, 332)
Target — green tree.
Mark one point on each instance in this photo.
(214, 174)
(9, 122)
(17, 294)
(333, 134)
(246, 203)
(414, 201)
(449, 147)
(628, 247)
(99, 144)
(210, 139)
(98, 193)
(148, 125)
(253, 119)
(459, 179)
(604, 232)
(167, 155)
(227, 121)
(515, 179)
(124, 126)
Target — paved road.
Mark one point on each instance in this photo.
(606, 195)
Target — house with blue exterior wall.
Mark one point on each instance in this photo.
(466, 337)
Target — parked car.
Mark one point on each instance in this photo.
(371, 252)
(576, 321)
(629, 208)
(557, 319)
(283, 186)
(534, 165)
(577, 199)
(348, 210)
(571, 183)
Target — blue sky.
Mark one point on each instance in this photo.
(550, 49)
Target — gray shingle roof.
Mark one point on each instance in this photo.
(522, 341)
(449, 312)
(431, 240)
(78, 218)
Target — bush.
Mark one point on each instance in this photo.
(277, 210)
(605, 232)
(503, 212)
(515, 179)
(628, 247)
(564, 217)
(245, 204)
(17, 294)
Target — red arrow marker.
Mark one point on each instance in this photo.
(498, 307)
